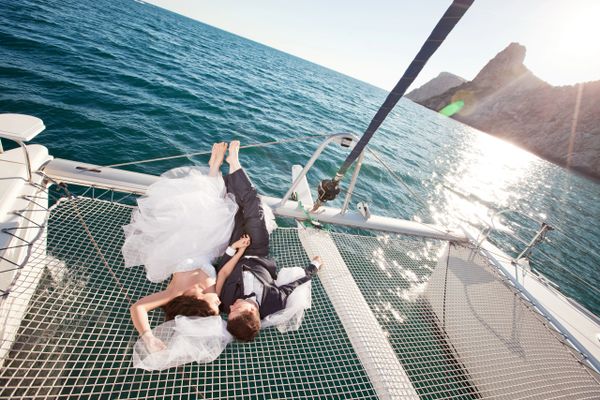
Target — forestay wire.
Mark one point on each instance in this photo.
(328, 189)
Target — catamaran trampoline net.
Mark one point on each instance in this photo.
(458, 330)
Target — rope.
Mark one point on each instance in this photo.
(29, 244)
(391, 171)
(582, 247)
(265, 144)
(63, 186)
(569, 237)
(578, 278)
(554, 262)
(445, 287)
(200, 153)
(95, 244)
(421, 200)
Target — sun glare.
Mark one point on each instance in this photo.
(483, 179)
(491, 166)
(571, 36)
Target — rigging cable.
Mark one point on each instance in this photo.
(201, 153)
(422, 202)
(329, 188)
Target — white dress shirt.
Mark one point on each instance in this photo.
(251, 283)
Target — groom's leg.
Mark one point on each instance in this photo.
(250, 207)
(288, 288)
(250, 212)
(238, 225)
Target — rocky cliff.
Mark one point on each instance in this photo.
(438, 85)
(558, 123)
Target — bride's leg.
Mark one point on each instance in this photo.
(216, 158)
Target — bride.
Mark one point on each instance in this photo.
(184, 222)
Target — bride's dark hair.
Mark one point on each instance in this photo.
(188, 306)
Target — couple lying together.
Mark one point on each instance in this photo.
(187, 220)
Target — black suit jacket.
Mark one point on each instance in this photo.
(273, 299)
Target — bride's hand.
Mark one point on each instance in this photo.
(153, 344)
(242, 243)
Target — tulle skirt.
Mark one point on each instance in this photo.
(184, 222)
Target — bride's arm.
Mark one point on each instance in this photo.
(139, 311)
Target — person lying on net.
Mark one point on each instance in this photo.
(180, 226)
(246, 276)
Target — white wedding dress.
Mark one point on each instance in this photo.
(183, 223)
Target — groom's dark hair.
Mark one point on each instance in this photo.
(189, 306)
(245, 327)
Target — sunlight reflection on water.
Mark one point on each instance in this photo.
(481, 179)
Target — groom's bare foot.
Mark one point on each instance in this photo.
(216, 157)
(234, 150)
(233, 156)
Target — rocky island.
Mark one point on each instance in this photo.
(558, 123)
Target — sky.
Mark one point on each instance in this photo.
(376, 40)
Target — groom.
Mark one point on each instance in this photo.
(246, 276)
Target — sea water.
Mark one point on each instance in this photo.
(119, 81)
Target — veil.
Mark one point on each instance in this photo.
(203, 339)
(187, 339)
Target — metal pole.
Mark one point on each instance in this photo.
(27, 161)
(352, 183)
(315, 156)
(539, 237)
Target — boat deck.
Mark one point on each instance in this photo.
(76, 338)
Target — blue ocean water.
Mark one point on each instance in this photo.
(118, 80)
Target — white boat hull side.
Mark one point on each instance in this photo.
(19, 217)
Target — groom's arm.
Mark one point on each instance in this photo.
(229, 253)
(226, 270)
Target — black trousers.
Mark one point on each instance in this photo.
(250, 217)
(289, 288)
(250, 220)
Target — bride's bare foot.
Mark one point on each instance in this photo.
(212, 155)
(233, 156)
(216, 157)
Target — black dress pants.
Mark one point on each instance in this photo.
(250, 216)
(289, 288)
